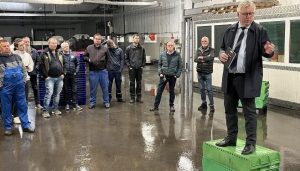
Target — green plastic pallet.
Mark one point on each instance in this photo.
(210, 165)
(262, 159)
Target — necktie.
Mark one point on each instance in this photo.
(233, 64)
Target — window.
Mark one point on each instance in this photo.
(203, 31)
(219, 33)
(276, 30)
(295, 42)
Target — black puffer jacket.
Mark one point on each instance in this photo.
(205, 65)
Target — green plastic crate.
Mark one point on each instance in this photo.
(262, 159)
(210, 165)
(262, 100)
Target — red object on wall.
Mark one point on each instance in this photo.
(152, 36)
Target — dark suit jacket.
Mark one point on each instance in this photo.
(256, 38)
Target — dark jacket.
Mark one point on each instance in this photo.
(115, 60)
(171, 67)
(36, 60)
(256, 38)
(12, 60)
(47, 63)
(71, 64)
(205, 65)
(135, 56)
(97, 57)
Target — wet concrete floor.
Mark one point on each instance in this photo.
(128, 137)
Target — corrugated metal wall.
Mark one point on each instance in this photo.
(163, 20)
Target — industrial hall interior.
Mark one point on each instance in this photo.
(149, 85)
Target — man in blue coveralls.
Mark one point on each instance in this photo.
(12, 88)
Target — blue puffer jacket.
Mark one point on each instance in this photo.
(171, 67)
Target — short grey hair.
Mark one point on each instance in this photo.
(246, 4)
(64, 44)
(52, 39)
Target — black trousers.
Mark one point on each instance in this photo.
(34, 86)
(70, 89)
(135, 76)
(117, 76)
(236, 85)
(161, 86)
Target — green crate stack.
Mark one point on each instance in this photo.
(262, 100)
(230, 159)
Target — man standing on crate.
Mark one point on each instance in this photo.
(205, 60)
(71, 68)
(244, 44)
(135, 58)
(169, 69)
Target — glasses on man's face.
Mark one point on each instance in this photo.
(247, 13)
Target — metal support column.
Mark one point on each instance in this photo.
(187, 58)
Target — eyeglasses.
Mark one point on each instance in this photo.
(247, 13)
(170, 45)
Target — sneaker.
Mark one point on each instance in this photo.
(107, 105)
(154, 109)
(46, 114)
(29, 129)
(91, 106)
(77, 107)
(38, 106)
(56, 112)
(131, 101)
(8, 132)
(67, 107)
(203, 106)
(172, 109)
(17, 120)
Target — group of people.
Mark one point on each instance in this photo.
(244, 43)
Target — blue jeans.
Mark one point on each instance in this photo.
(205, 83)
(98, 77)
(53, 87)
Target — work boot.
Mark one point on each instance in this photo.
(154, 109)
(203, 106)
(212, 108)
(172, 109)
(139, 100)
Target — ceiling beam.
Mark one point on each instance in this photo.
(52, 15)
